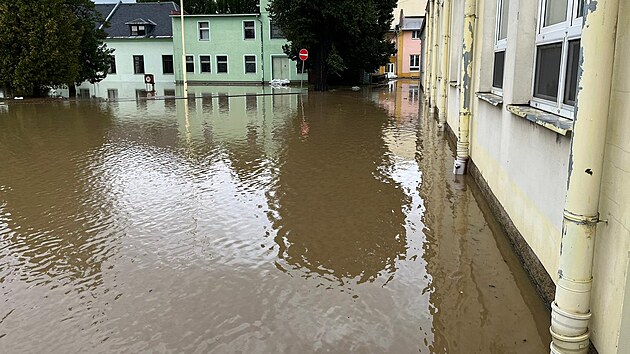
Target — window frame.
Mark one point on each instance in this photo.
(112, 65)
(245, 30)
(199, 29)
(201, 63)
(563, 32)
(245, 63)
(193, 64)
(164, 72)
(137, 30)
(415, 35)
(135, 71)
(500, 44)
(227, 63)
(414, 68)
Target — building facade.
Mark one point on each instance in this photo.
(406, 35)
(537, 96)
(236, 48)
(142, 38)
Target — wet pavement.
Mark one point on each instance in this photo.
(250, 224)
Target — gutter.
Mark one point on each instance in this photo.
(111, 13)
(465, 89)
(570, 310)
(446, 25)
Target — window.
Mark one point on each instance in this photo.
(500, 45)
(414, 62)
(249, 30)
(415, 34)
(222, 64)
(497, 72)
(112, 65)
(190, 64)
(204, 31)
(276, 32)
(138, 30)
(250, 64)
(167, 64)
(112, 94)
(557, 55)
(138, 64)
(204, 61)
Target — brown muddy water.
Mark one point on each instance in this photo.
(251, 224)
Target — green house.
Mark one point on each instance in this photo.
(233, 48)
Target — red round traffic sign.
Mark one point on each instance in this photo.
(303, 54)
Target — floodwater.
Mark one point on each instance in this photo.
(250, 224)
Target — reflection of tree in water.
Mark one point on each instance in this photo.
(59, 222)
(336, 212)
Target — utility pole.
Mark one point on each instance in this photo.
(181, 19)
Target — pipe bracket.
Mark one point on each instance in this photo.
(581, 219)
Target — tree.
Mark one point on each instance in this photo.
(344, 37)
(194, 7)
(48, 43)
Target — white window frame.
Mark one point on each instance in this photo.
(500, 45)
(193, 62)
(245, 63)
(414, 68)
(172, 63)
(415, 34)
(201, 68)
(137, 30)
(199, 29)
(249, 39)
(227, 62)
(564, 32)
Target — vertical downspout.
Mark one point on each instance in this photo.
(434, 59)
(571, 308)
(465, 89)
(262, 48)
(429, 49)
(446, 27)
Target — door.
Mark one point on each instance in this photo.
(280, 68)
(390, 68)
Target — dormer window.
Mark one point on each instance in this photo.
(140, 27)
(138, 30)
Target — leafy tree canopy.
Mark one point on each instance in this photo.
(50, 43)
(194, 7)
(343, 36)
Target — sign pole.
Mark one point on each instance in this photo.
(303, 56)
(302, 76)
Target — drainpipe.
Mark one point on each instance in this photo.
(465, 89)
(429, 50)
(262, 49)
(571, 308)
(446, 25)
(434, 59)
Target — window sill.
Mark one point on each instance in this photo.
(490, 97)
(550, 121)
(454, 84)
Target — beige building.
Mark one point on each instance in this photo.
(537, 95)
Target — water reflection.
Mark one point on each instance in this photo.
(236, 220)
(337, 211)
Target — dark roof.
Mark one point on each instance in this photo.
(147, 12)
(412, 23)
(104, 10)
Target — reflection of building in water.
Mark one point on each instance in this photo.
(336, 211)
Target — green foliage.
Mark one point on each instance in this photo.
(49, 43)
(342, 36)
(218, 6)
